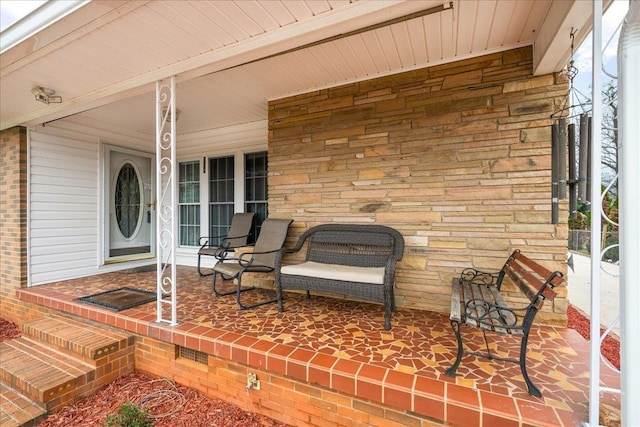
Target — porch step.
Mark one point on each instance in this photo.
(42, 374)
(57, 361)
(78, 339)
(16, 410)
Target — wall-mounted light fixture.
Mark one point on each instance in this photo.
(46, 95)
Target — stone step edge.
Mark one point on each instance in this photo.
(88, 352)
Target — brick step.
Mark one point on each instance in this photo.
(42, 374)
(16, 410)
(79, 339)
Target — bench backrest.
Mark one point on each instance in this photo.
(352, 244)
(534, 280)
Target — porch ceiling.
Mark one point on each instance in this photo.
(231, 57)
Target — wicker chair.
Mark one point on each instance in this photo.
(236, 237)
(273, 233)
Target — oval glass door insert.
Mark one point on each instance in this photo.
(128, 205)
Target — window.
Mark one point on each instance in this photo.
(219, 205)
(189, 203)
(221, 195)
(255, 189)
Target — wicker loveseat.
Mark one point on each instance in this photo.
(347, 259)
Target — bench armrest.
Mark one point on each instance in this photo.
(481, 277)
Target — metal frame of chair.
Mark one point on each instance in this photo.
(239, 231)
(273, 234)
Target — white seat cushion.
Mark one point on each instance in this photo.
(373, 275)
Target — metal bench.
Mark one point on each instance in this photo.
(476, 301)
(348, 259)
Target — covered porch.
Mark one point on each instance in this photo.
(334, 357)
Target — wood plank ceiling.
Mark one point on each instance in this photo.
(228, 54)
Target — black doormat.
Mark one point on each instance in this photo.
(119, 299)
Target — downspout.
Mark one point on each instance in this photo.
(629, 170)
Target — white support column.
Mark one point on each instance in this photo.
(167, 201)
(596, 218)
(629, 169)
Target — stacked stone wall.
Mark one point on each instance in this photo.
(457, 157)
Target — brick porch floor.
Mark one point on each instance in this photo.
(341, 345)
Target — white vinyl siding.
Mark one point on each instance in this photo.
(63, 206)
(65, 209)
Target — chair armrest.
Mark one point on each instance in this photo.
(207, 239)
(225, 240)
(244, 262)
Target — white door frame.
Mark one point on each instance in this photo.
(106, 225)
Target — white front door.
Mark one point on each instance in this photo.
(129, 205)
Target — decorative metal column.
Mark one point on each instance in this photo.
(167, 201)
(596, 220)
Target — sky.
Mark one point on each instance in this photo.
(583, 54)
(12, 10)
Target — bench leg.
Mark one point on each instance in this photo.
(451, 372)
(533, 390)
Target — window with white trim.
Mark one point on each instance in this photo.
(255, 189)
(219, 199)
(189, 202)
(221, 195)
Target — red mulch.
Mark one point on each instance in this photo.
(610, 347)
(8, 330)
(168, 404)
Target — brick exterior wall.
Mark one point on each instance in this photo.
(457, 157)
(13, 221)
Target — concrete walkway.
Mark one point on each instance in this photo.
(580, 289)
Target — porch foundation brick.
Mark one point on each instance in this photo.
(286, 399)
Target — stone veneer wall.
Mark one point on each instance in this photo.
(13, 221)
(457, 157)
